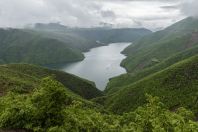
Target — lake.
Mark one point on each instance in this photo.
(99, 65)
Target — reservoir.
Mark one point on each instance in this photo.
(99, 65)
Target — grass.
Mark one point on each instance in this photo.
(176, 86)
(116, 83)
(25, 77)
(21, 46)
(161, 45)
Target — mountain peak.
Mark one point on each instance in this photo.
(50, 26)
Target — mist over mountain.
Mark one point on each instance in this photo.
(54, 53)
(33, 45)
(190, 8)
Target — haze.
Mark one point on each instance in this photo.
(151, 14)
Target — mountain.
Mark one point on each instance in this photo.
(175, 85)
(111, 35)
(103, 35)
(34, 45)
(150, 62)
(52, 107)
(18, 45)
(60, 32)
(50, 26)
(24, 78)
(159, 92)
(156, 47)
(117, 82)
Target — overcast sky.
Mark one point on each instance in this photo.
(152, 14)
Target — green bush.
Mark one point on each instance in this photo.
(50, 108)
(154, 117)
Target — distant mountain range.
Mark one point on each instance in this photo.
(158, 93)
(55, 43)
(102, 34)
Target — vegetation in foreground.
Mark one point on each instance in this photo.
(24, 78)
(58, 103)
(50, 107)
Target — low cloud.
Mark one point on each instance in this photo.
(170, 7)
(152, 14)
(190, 8)
(108, 14)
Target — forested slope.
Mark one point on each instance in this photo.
(176, 85)
(53, 108)
(18, 46)
(160, 45)
(117, 82)
(24, 78)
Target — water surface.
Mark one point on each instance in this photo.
(99, 65)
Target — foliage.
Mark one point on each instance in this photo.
(21, 46)
(49, 45)
(117, 83)
(42, 109)
(49, 101)
(153, 117)
(161, 45)
(175, 85)
(51, 108)
(53, 104)
(24, 78)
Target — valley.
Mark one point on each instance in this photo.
(157, 90)
(99, 65)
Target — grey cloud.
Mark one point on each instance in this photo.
(108, 13)
(16, 13)
(189, 8)
(170, 7)
(70, 12)
(138, 23)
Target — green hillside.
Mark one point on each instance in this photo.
(160, 45)
(117, 82)
(18, 46)
(32, 101)
(61, 33)
(158, 94)
(24, 78)
(177, 86)
(35, 45)
(71, 40)
(53, 108)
